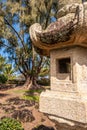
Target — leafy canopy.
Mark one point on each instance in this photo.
(16, 16)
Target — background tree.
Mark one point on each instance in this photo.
(6, 71)
(17, 17)
(2, 63)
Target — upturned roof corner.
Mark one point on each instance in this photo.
(69, 30)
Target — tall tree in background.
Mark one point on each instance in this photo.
(15, 19)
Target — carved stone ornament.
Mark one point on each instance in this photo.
(70, 28)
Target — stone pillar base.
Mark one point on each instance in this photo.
(65, 105)
(63, 124)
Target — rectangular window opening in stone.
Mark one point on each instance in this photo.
(64, 65)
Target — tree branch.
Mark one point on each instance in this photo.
(6, 21)
(19, 67)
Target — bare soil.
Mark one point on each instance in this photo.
(27, 111)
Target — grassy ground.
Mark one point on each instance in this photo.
(23, 105)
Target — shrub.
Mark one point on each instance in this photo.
(3, 78)
(10, 124)
(44, 81)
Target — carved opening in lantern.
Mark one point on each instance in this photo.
(64, 65)
(84, 1)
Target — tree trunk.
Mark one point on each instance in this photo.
(31, 83)
(27, 82)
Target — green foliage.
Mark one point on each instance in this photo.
(23, 13)
(43, 10)
(3, 78)
(32, 95)
(10, 124)
(6, 71)
(44, 81)
(2, 63)
(34, 91)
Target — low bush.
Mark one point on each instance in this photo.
(3, 78)
(44, 81)
(10, 124)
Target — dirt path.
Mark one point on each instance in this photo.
(12, 105)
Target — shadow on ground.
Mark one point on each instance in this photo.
(42, 127)
(60, 126)
(64, 126)
(3, 95)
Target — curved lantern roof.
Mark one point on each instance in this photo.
(69, 30)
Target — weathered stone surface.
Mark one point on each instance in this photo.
(64, 106)
(68, 96)
(77, 79)
(66, 42)
(63, 3)
(68, 9)
(69, 29)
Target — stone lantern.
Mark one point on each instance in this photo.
(65, 41)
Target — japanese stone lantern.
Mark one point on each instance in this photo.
(65, 41)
